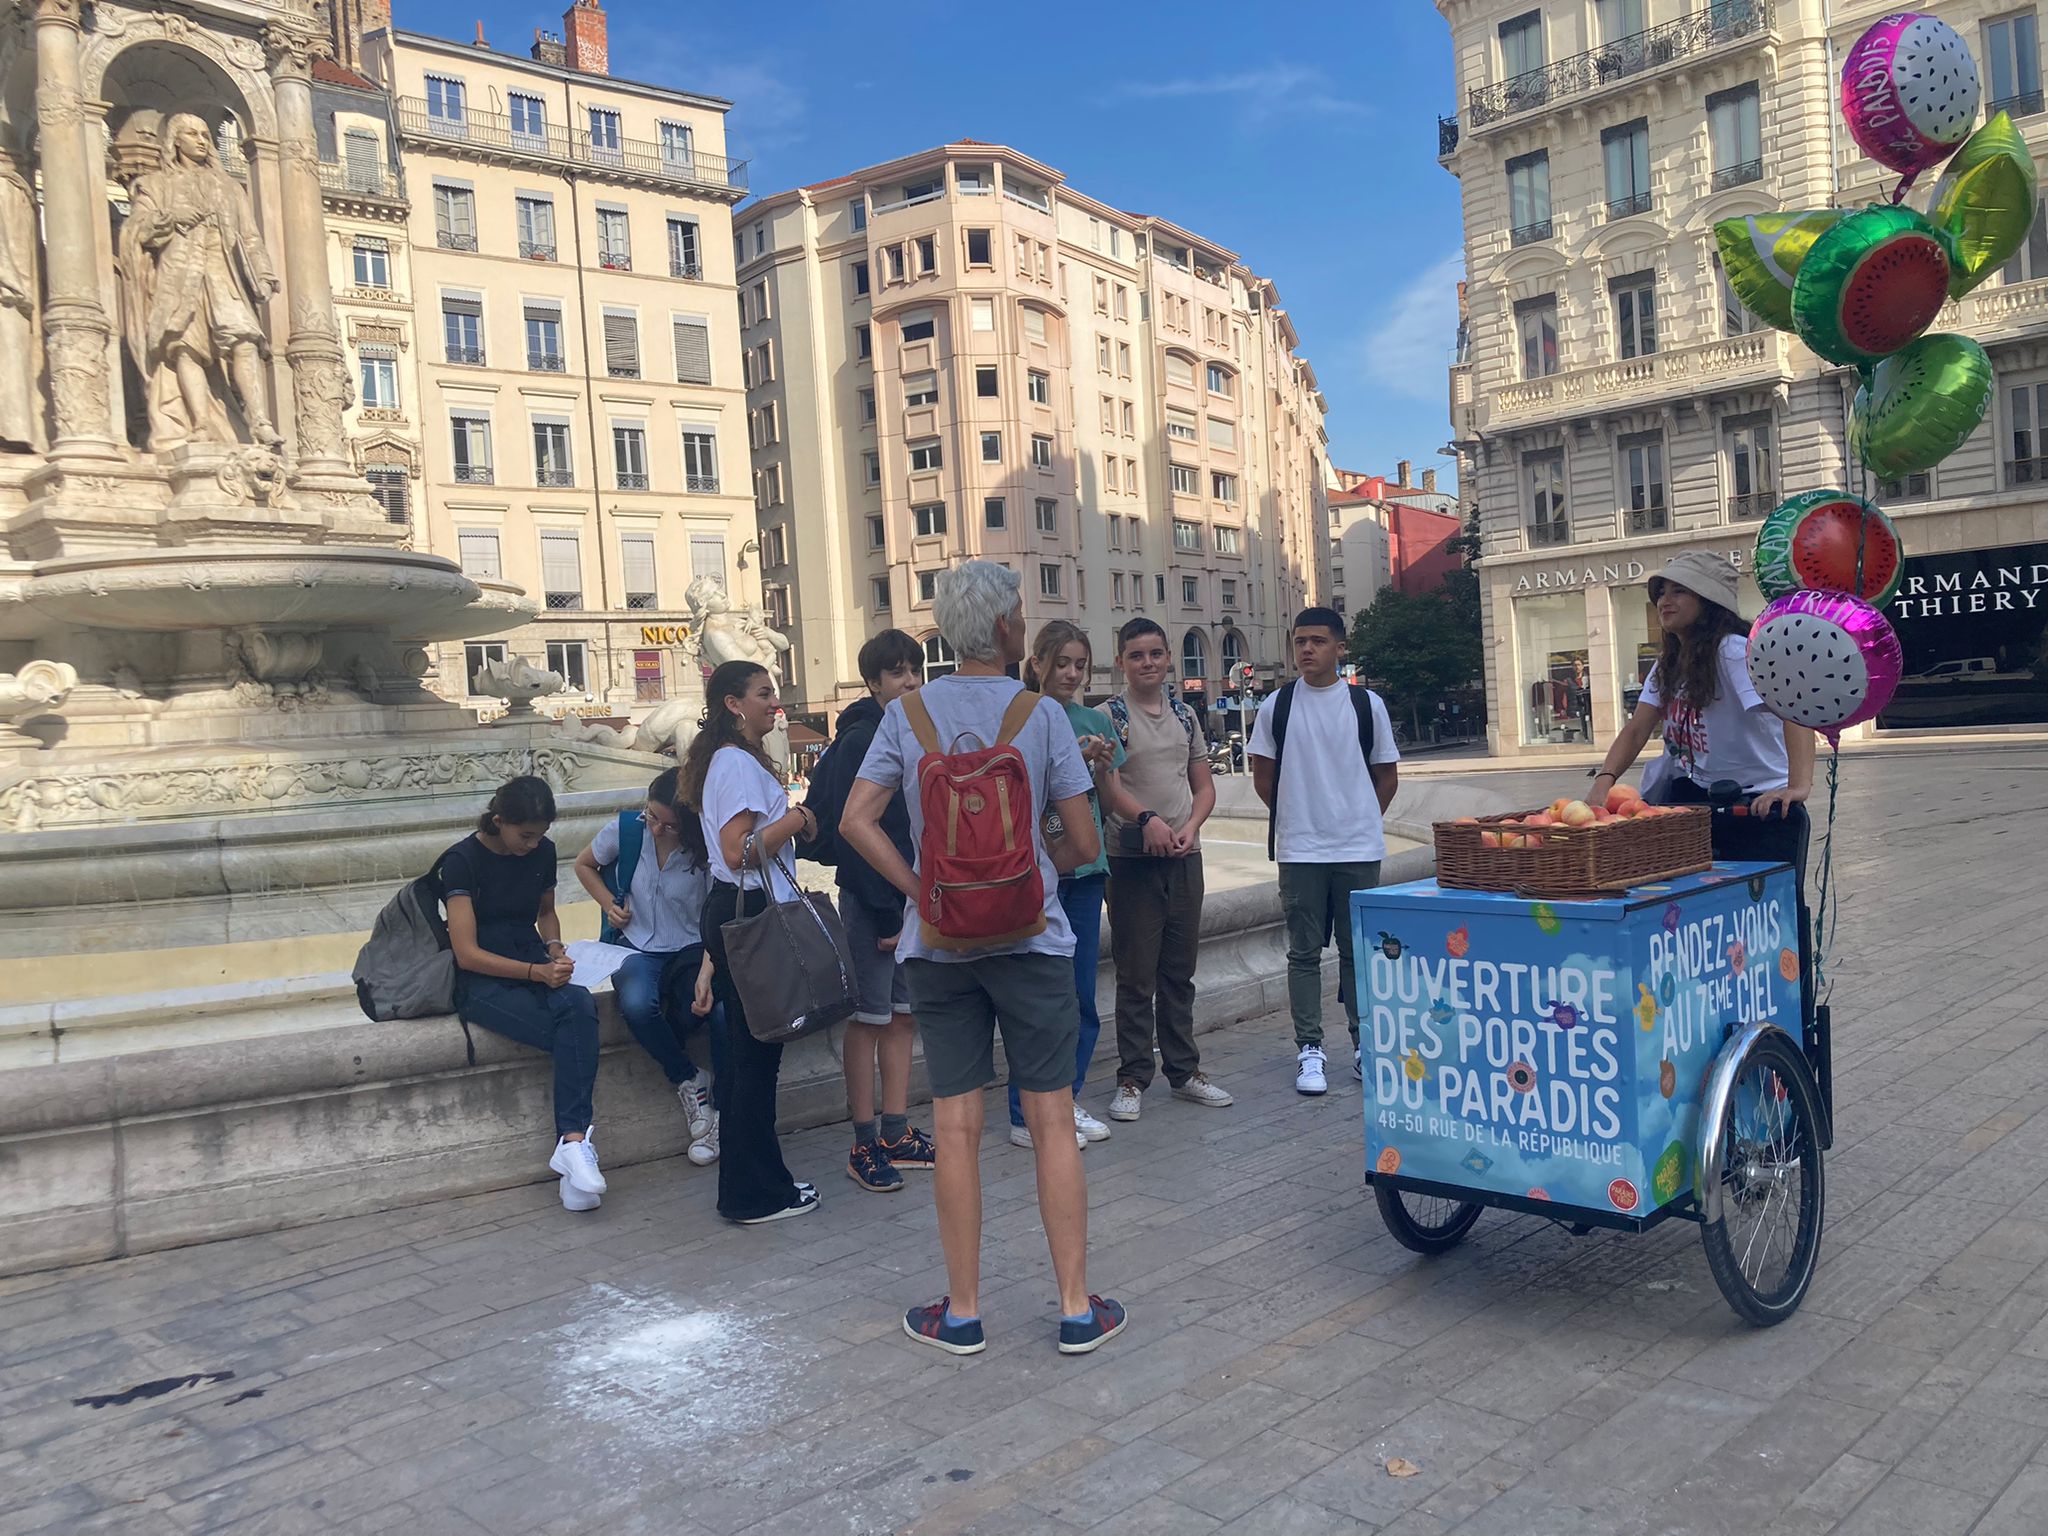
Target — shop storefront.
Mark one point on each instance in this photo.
(1974, 629)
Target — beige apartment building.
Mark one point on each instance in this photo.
(577, 409)
(955, 355)
(1615, 403)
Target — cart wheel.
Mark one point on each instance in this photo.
(1428, 1224)
(1762, 1217)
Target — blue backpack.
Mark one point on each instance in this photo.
(618, 875)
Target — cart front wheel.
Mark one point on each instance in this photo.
(1760, 1179)
(1428, 1224)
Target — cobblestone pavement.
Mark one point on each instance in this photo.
(497, 1365)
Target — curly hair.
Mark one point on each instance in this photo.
(719, 728)
(1689, 667)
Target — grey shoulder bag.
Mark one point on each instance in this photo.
(789, 961)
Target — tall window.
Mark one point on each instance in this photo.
(1543, 480)
(991, 447)
(362, 160)
(536, 219)
(1041, 452)
(1048, 580)
(930, 519)
(1038, 387)
(614, 241)
(979, 253)
(684, 259)
(380, 379)
(1635, 314)
(571, 659)
(1536, 325)
(857, 214)
(604, 136)
(551, 464)
(693, 351)
(1047, 513)
(561, 570)
(700, 460)
(1223, 487)
(544, 338)
(387, 484)
(477, 550)
(1194, 649)
(1752, 482)
(678, 152)
(1521, 44)
(462, 328)
(629, 458)
(2027, 404)
(447, 105)
(372, 263)
(1627, 151)
(1529, 197)
(470, 444)
(621, 344)
(1221, 381)
(2013, 46)
(1736, 135)
(1642, 474)
(1620, 19)
(529, 121)
(454, 217)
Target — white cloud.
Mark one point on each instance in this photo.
(1260, 95)
(1410, 344)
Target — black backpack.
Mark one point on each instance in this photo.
(1283, 706)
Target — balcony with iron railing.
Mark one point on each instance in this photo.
(560, 600)
(1627, 207)
(449, 240)
(1714, 25)
(631, 480)
(701, 484)
(2026, 471)
(492, 133)
(544, 362)
(1549, 534)
(615, 261)
(534, 250)
(1530, 234)
(1655, 519)
(465, 357)
(1738, 175)
(473, 474)
(692, 271)
(375, 183)
(2020, 104)
(622, 370)
(1747, 505)
(641, 600)
(551, 477)
(1447, 136)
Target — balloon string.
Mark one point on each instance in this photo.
(1824, 920)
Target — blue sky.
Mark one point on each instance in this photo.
(1301, 136)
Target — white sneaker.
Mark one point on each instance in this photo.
(1020, 1136)
(1308, 1073)
(704, 1149)
(1199, 1090)
(1126, 1103)
(1091, 1129)
(576, 1161)
(573, 1199)
(1358, 1062)
(696, 1104)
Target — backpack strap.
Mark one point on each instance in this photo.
(632, 837)
(1120, 717)
(1361, 701)
(1017, 716)
(1186, 717)
(1283, 706)
(919, 719)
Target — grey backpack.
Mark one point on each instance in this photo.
(407, 970)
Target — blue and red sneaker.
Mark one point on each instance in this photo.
(928, 1325)
(914, 1150)
(1104, 1322)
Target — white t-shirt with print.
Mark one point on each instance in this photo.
(1735, 737)
(737, 782)
(968, 714)
(1329, 812)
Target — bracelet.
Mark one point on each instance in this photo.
(529, 970)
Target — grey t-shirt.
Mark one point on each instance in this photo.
(968, 712)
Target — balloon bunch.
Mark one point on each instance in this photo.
(1860, 287)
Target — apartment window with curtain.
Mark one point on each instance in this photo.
(684, 248)
(561, 570)
(604, 136)
(1752, 480)
(1226, 540)
(477, 551)
(462, 327)
(543, 338)
(1620, 19)
(629, 457)
(372, 262)
(454, 217)
(1184, 479)
(1191, 597)
(1187, 537)
(693, 351)
(529, 121)
(551, 466)
(1223, 488)
(1627, 152)
(379, 378)
(447, 105)
(678, 151)
(621, 344)
(1635, 314)
(1642, 479)
(535, 217)
(1529, 197)
(700, 460)
(614, 240)
(707, 556)
(636, 559)
(470, 445)
(2012, 51)
(1543, 481)
(1536, 328)
(2027, 408)
(1735, 131)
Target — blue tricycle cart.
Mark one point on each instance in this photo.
(1612, 1062)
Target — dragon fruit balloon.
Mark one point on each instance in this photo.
(1910, 91)
(1824, 660)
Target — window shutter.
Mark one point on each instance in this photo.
(561, 567)
(360, 150)
(639, 563)
(546, 314)
(693, 352)
(388, 486)
(707, 556)
(622, 346)
(453, 306)
(479, 554)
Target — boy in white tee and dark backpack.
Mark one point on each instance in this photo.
(1324, 829)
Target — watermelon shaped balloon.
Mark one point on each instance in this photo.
(1870, 285)
(1984, 202)
(1920, 405)
(1762, 252)
(1824, 660)
(1812, 543)
(1909, 91)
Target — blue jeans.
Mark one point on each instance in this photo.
(559, 1020)
(1081, 900)
(654, 992)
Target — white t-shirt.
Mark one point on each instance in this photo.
(968, 713)
(1328, 812)
(1735, 737)
(735, 782)
(666, 900)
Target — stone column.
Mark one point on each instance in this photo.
(319, 376)
(76, 331)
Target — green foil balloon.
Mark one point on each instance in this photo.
(1870, 285)
(1984, 202)
(1829, 541)
(1761, 254)
(1920, 405)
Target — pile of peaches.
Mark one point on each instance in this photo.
(1623, 804)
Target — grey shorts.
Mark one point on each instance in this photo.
(961, 1003)
(880, 988)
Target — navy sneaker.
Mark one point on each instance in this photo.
(1106, 1320)
(928, 1325)
(869, 1167)
(915, 1150)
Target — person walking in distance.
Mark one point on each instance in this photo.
(1324, 822)
(987, 944)
(1155, 877)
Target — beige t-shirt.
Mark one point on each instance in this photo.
(1155, 769)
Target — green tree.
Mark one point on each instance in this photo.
(1419, 648)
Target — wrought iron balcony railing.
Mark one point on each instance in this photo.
(448, 240)
(623, 370)
(1751, 504)
(1648, 519)
(473, 474)
(1446, 136)
(1624, 207)
(641, 600)
(565, 599)
(1718, 22)
(1542, 534)
(1529, 234)
(2024, 104)
(615, 261)
(554, 479)
(493, 132)
(533, 250)
(468, 357)
(2026, 471)
(544, 362)
(1735, 175)
(629, 481)
(707, 484)
(693, 270)
(384, 183)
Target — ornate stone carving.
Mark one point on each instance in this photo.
(274, 656)
(36, 688)
(194, 273)
(20, 407)
(254, 475)
(290, 51)
(517, 681)
(321, 391)
(68, 13)
(76, 353)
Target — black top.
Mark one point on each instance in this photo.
(830, 783)
(506, 891)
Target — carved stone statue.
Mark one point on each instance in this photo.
(724, 632)
(19, 408)
(517, 681)
(194, 275)
(37, 687)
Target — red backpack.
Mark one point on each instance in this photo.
(977, 862)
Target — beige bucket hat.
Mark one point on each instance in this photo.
(1703, 575)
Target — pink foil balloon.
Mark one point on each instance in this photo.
(1824, 660)
(1910, 91)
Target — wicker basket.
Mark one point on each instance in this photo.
(1596, 860)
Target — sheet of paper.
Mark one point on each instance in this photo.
(596, 963)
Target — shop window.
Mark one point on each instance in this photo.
(1556, 702)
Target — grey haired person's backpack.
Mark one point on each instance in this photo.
(407, 970)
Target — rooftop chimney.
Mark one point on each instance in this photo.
(1401, 474)
(480, 35)
(583, 25)
(1429, 480)
(548, 49)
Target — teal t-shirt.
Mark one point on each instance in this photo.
(1093, 722)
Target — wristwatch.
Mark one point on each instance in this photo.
(1145, 816)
